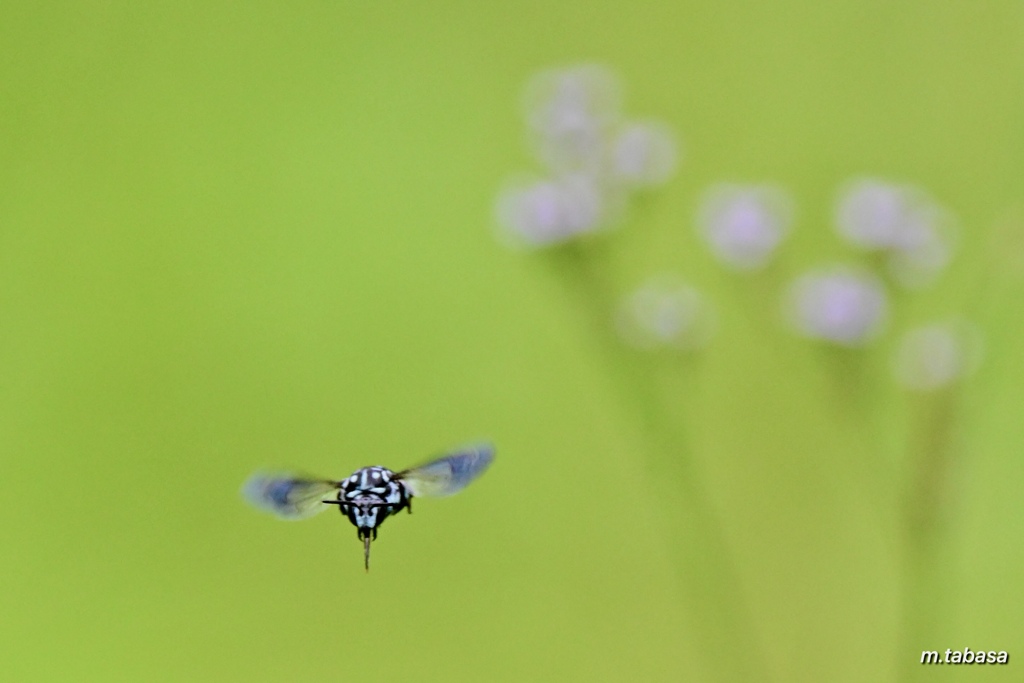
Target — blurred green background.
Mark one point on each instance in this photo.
(237, 235)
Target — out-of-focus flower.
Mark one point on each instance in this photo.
(935, 356)
(871, 213)
(543, 212)
(839, 305)
(926, 248)
(592, 160)
(901, 220)
(666, 313)
(643, 154)
(744, 224)
(570, 112)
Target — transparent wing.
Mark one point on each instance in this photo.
(450, 474)
(288, 496)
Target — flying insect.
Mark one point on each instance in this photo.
(370, 494)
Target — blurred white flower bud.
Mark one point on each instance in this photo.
(925, 248)
(839, 305)
(643, 154)
(744, 224)
(666, 312)
(871, 213)
(901, 220)
(934, 356)
(544, 212)
(569, 113)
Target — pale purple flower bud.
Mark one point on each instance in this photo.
(569, 113)
(872, 213)
(544, 212)
(744, 224)
(666, 313)
(839, 305)
(925, 248)
(644, 154)
(917, 234)
(935, 356)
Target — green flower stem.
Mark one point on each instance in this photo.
(926, 565)
(697, 542)
(928, 558)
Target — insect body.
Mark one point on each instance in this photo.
(370, 495)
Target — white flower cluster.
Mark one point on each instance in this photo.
(841, 305)
(592, 158)
(744, 224)
(900, 221)
(934, 356)
(666, 313)
(911, 231)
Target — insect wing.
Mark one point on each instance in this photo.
(287, 496)
(450, 474)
